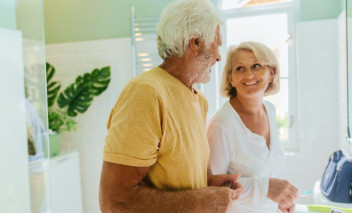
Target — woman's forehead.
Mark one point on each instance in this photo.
(243, 55)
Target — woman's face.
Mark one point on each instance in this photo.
(249, 76)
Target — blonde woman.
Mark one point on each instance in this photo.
(243, 134)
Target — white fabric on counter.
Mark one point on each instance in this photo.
(236, 149)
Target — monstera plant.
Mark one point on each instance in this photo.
(76, 98)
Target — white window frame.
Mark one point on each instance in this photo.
(289, 8)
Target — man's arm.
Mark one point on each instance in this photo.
(120, 191)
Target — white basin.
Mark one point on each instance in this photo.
(301, 209)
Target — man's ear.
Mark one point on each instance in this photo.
(195, 45)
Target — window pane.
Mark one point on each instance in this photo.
(259, 28)
(280, 100)
(230, 4)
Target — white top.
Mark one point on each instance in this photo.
(236, 149)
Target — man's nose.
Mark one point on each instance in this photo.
(218, 58)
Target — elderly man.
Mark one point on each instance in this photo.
(156, 150)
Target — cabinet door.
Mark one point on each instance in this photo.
(65, 183)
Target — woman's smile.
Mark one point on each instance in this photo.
(249, 76)
(251, 83)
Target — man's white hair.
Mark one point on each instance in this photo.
(183, 20)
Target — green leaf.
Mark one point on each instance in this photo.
(50, 71)
(78, 96)
(100, 80)
(53, 87)
(59, 121)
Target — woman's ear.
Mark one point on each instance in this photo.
(272, 71)
(230, 78)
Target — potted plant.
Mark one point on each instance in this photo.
(76, 98)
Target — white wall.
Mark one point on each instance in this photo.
(342, 79)
(14, 180)
(346, 147)
(319, 96)
(349, 59)
(71, 60)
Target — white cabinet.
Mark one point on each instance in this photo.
(65, 183)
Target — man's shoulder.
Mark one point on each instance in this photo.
(155, 78)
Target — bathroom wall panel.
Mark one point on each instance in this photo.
(318, 107)
(14, 184)
(342, 80)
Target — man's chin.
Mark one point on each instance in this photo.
(204, 80)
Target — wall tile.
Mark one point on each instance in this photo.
(50, 50)
(89, 138)
(76, 59)
(58, 59)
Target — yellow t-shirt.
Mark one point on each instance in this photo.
(158, 122)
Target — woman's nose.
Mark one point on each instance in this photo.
(249, 72)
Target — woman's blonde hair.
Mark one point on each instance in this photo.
(263, 54)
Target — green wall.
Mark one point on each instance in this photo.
(320, 9)
(82, 20)
(8, 14)
(29, 15)
(23, 15)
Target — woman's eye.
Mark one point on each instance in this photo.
(238, 68)
(256, 65)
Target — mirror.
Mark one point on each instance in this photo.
(349, 68)
(315, 121)
(23, 112)
(77, 41)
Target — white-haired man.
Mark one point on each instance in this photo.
(156, 150)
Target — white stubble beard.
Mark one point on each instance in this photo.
(203, 77)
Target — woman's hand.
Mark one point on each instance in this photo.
(287, 210)
(282, 192)
(220, 180)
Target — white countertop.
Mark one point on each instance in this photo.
(300, 208)
(317, 198)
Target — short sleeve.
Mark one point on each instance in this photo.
(134, 127)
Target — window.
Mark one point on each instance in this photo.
(231, 4)
(273, 25)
